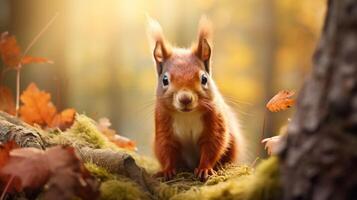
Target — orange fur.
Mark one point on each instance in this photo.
(214, 148)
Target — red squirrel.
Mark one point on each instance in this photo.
(194, 128)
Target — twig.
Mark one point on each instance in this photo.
(7, 187)
(18, 89)
(254, 162)
(1, 75)
(34, 40)
(263, 130)
(175, 180)
(19, 66)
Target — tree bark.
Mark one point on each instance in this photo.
(23, 134)
(319, 154)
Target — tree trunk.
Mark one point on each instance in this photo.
(319, 155)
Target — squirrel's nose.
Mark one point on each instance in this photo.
(185, 99)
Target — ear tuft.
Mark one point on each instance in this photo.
(202, 49)
(205, 29)
(160, 48)
(154, 32)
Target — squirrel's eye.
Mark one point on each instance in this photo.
(204, 79)
(165, 80)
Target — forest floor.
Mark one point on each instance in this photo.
(240, 182)
(124, 174)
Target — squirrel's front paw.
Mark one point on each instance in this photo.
(203, 173)
(168, 174)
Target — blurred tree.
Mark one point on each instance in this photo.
(319, 153)
(268, 59)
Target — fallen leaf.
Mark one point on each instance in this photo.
(11, 54)
(104, 123)
(38, 109)
(281, 101)
(7, 102)
(121, 141)
(4, 158)
(58, 168)
(30, 165)
(66, 184)
(271, 144)
(5, 151)
(64, 120)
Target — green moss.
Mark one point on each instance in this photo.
(239, 183)
(186, 186)
(229, 172)
(121, 190)
(99, 172)
(115, 187)
(265, 184)
(148, 163)
(84, 133)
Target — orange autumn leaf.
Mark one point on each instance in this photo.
(29, 59)
(120, 141)
(38, 109)
(64, 119)
(7, 102)
(11, 53)
(113, 137)
(281, 101)
(9, 50)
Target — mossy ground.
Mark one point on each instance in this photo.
(231, 182)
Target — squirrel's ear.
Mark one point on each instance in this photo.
(161, 52)
(202, 49)
(160, 48)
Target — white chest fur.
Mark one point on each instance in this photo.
(188, 128)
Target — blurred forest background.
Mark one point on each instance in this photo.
(103, 65)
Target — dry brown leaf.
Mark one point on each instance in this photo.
(29, 165)
(4, 158)
(121, 141)
(5, 151)
(11, 53)
(38, 109)
(7, 102)
(281, 101)
(271, 144)
(58, 168)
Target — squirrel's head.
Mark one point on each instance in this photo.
(184, 75)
